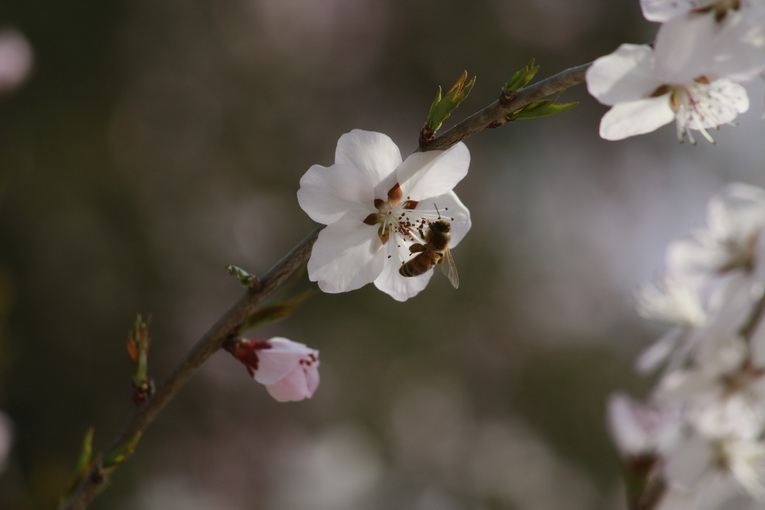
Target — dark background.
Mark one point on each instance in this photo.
(157, 141)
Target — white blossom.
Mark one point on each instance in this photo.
(721, 38)
(375, 207)
(643, 100)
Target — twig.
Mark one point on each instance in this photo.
(211, 342)
(495, 113)
(747, 330)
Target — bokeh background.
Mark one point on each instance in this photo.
(154, 142)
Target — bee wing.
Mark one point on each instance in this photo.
(449, 268)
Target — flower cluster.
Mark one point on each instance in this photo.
(692, 73)
(701, 432)
(377, 207)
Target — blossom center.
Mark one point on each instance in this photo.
(394, 215)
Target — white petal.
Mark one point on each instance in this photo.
(373, 153)
(625, 75)
(346, 256)
(638, 428)
(334, 193)
(695, 257)
(688, 463)
(739, 46)
(683, 47)
(429, 174)
(393, 283)
(664, 10)
(636, 118)
(658, 352)
(684, 384)
(737, 211)
(454, 211)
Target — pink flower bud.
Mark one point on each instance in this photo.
(289, 370)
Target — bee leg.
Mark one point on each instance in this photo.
(416, 247)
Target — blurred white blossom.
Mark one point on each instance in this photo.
(643, 99)
(713, 294)
(718, 38)
(16, 58)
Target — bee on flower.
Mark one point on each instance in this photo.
(374, 205)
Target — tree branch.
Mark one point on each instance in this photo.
(496, 113)
(212, 341)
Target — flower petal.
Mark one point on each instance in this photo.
(452, 210)
(299, 384)
(665, 10)
(373, 153)
(346, 256)
(430, 174)
(397, 286)
(683, 47)
(278, 361)
(341, 191)
(740, 45)
(636, 118)
(737, 211)
(627, 74)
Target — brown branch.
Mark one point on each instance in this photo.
(212, 341)
(750, 326)
(496, 113)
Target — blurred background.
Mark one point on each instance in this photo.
(144, 145)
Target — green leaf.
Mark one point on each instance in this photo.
(245, 278)
(543, 108)
(138, 350)
(443, 106)
(521, 78)
(122, 452)
(84, 463)
(86, 454)
(276, 311)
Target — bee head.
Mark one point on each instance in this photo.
(441, 226)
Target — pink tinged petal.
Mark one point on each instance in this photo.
(373, 153)
(452, 210)
(720, 102)
(638, 428)
(429, 174)
(683, 47)
(281, 359)
(665, 10)
(625, 75)
(341, 191)
(636, 118)
(299, 384)
(346, 256)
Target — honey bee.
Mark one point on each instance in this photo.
(435, 251)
